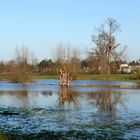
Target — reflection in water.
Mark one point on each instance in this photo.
(47, 93)
(40, 115)
(67, 97)
(106, 101)
(17, 98)
(22, 98)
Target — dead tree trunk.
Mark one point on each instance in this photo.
(64, 77)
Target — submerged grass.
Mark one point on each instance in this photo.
(52, 135)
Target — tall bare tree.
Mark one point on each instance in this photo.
(107, 44)
(67, 60)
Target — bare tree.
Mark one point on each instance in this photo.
(21, 68)
(67, 60)
(107, 44)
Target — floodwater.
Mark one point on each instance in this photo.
(43, 110)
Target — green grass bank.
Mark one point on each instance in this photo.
(105, 77)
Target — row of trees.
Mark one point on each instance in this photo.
(105, 57)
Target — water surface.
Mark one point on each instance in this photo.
(45, 110)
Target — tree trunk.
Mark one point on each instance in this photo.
(64, 77)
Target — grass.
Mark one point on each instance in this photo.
(111, 77)
(105, 77)
(49, 76)
(83, 76)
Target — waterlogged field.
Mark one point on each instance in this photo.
(85, 110)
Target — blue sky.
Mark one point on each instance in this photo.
(43, 24)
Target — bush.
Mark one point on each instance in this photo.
(137, 73)
(21, 68)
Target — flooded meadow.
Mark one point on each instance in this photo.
(85, 110)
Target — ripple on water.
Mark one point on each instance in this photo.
(70, 113)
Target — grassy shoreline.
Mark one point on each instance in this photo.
(105, 77)
(81, 76)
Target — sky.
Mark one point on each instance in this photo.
(43, 24)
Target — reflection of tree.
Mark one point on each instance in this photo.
(106, 101)
(67, 96)
(20, 97)
(23, 98)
